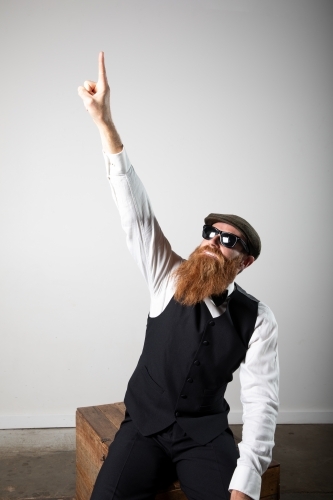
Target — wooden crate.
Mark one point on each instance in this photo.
(96, 427)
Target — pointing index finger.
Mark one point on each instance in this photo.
(101, 69)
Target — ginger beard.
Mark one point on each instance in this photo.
(203, 275)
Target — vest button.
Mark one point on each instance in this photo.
(189, 380)
(196, 362)
(177, 414)
(205, 342)
(183, 396)
(211, 323)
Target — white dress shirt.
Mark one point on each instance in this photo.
(259, 371)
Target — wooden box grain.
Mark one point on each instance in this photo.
(96, 427)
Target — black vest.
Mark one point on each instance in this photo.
(187, 360)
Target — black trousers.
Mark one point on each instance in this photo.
(137, 466)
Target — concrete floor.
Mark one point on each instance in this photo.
(40, 464)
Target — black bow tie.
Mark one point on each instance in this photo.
(219, 299)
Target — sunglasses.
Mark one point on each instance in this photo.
(228, 240)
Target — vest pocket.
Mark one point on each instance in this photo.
(212, 399)
(211, 392)
(151, 381)
(216, 391)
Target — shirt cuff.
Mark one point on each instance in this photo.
(116, 164)
(247, 481)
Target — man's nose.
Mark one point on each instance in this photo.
(215, 241)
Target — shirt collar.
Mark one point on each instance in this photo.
(231, 288)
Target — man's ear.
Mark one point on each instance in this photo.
(249, 259)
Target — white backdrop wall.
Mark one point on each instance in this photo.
(223, 105)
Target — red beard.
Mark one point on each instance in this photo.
(204, 275)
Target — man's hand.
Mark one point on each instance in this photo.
(238, 495)
(96, 100)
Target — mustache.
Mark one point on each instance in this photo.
(210, 249)
(205, 251)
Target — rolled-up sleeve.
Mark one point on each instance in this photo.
(259, 377)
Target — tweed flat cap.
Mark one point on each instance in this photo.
(251, 235)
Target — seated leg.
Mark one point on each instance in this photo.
(135, 468)
(205, 471)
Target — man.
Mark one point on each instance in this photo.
(201, 328)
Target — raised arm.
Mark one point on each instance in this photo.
(96, 100)
(145, 239)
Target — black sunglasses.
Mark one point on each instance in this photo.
(228, 240)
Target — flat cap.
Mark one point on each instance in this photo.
(251, 235)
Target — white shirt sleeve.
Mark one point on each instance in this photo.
(145, 239)
(259, 377)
